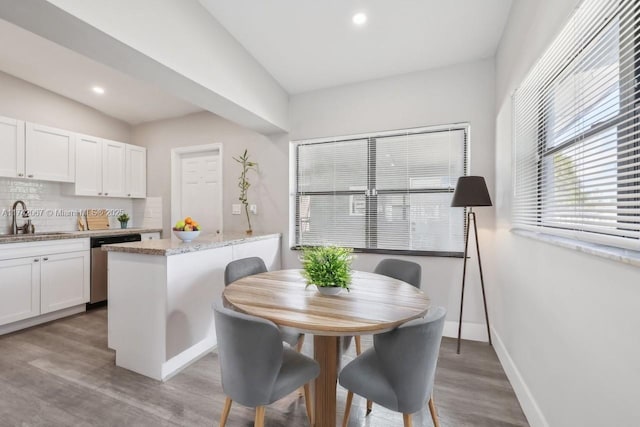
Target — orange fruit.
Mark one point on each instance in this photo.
(188, 220)
(194, 223)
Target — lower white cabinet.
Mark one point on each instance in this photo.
(64, 281)
(37, 278)
(19, 289)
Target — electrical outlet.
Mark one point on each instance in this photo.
(236, 210)
(253, 209)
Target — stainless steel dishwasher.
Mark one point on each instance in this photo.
(99, 264)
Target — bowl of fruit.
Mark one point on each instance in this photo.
(186, 229)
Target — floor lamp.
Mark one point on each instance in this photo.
(471, 191)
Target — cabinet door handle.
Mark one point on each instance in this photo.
(36, 260)
(20, 174)
(30, 176)
(99, 194)
(106, 194)
(129, 194)
(46, 259)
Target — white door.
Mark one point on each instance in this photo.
(11, 147)
(200, 189)
(19, 289)
(88, 166)
(64, 280)
(113, 169)
(50, 153)
(136, 171)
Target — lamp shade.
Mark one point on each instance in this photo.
(471, 191)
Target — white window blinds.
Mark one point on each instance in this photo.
(576, 130)
(387, 191)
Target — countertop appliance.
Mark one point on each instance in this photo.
(99, 264)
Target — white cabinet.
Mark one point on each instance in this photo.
(37, 278)
(50, 153)
(19, 289)
(11, 147)
(136, 171)
(110, 168)
(64, 280)
(88, 166)
(113, 169)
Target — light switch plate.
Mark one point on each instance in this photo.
(235, 210)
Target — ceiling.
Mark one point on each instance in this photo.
(313, 44)
(65, 72)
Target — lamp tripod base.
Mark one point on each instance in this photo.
(471, 216)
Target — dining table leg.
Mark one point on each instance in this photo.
(327, 354)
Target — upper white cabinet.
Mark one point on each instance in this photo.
(88, 166)
(110, 168)
(136, 171)
(11, 147)
(113, 169)
(97, 166)
(50, 153)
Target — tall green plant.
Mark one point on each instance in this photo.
(327, 266)
(244, 184)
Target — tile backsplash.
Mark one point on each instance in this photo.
(55, 208)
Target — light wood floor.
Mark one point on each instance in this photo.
(62, 374)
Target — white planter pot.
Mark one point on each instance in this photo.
(329, 290)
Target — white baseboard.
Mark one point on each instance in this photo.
(191, 355)
(528, 403)
(470, 331)
(27, 323)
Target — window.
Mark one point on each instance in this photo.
(382, 192)
(577, 136)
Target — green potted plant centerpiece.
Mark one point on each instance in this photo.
(124, 220)
(328, 268)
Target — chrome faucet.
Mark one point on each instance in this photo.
(27, 227)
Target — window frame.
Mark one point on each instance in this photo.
(628, 116)
(371, 197)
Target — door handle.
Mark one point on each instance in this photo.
(30, 176)
(45, 259)
(36, 260)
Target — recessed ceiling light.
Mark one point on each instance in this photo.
(98, 90)
(359, 18)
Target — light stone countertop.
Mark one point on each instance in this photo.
(42, 236)
(175, 246)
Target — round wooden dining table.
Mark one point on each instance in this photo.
(374, 304)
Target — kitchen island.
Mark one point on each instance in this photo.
(161, 292)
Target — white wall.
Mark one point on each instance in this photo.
(462, 93)
(269, 187)
(176, 44)
(25, 101)
(567, 321)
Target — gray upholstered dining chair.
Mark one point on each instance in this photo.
(256, 369)
(399, 371)
(244, 267)
(406, 271)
